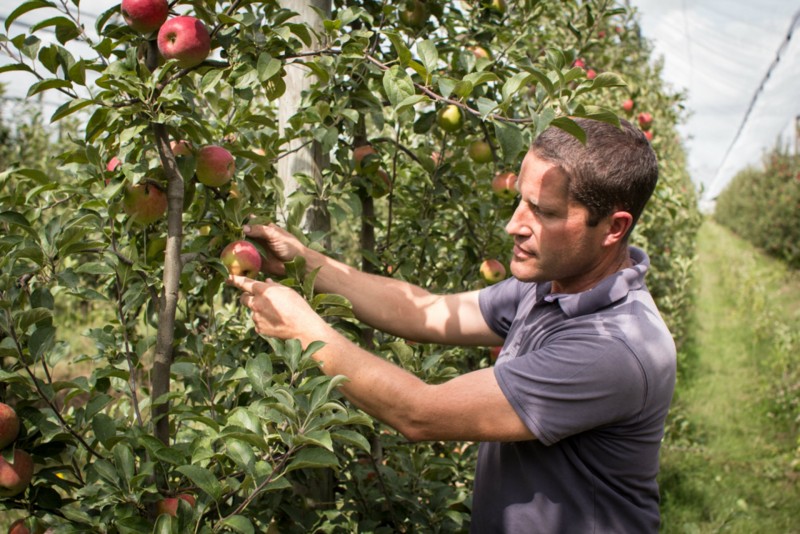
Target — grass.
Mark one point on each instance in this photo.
(729, 470)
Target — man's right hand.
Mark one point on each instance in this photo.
(280, 245)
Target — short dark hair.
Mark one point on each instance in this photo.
(616, 169)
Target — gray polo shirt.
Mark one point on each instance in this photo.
(592, 375)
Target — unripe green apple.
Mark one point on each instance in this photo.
(504, 184)
(492, 271)
(144, 16)
(498, 6)
(169, 505)
(480, 152)
(186, 39)
(414, 13)
(215, 166)
(449, 118)
(15, 477)
(241, 258)
(9, 425)
(144, 202)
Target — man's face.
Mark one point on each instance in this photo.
(551, 239)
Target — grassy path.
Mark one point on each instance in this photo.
(728, 471)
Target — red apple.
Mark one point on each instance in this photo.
(15, 477)
(494, 352)
(480, 52)
(19, 527)
(449, 118)
(628, 105)
(645, 120)
(580, 62)
(181, 148)
(504, 184)
(361, 152)
(241, 258)
(492, 271)
(145, 16)
(186, 39)
(591, 74)
(113, 164)
(649, 135)
(215, 166)
(169, 505)
(480, 152)
(144, 202)
(9, 425)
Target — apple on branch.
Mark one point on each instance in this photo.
(15, 476)
(492, 271)
(9, 425)
(241, 258)
(19, 527)
(144, 16)
(169, 505)
(181, 148)
(504, 184)
(480, 152)
(645, 120)
(144, 202)
(215, 166)
(628, 105)
(364, 156)
(414, 13)
(449, 118)
(186, 39)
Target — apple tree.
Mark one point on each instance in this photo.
(387, 133)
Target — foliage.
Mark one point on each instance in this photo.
(174, 393)
(762, 205)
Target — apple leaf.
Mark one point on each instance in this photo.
(313, 458)
(203, 479)
(239, 523)
(24, 8)
(510, 138)
(429, 56)
(571, 127)
(70, 107)
(398, 85)
(44, 85)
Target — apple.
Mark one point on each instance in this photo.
(113, 164)
(19, 527)
(361, 152)
(492, 271)
(591, 74)
(181, 148)
(449, 118)
(645, 120)
(145, 16)
(649, 135)
(169, 505)
(9, 425)
(628, 105)
(15, 477)
(215, 166)
(580, 62)
(241, 258)
(186, 39)
(144, 202)
(498, 6)
(504, 184)
(480, 152)
(414, 13)
(479, 52)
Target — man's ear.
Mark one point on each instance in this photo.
(619, 223)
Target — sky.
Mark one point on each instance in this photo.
(718, 52)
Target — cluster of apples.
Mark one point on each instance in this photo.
(15, 476)
(183, 38)
(644, 118)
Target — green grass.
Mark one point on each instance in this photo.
(729, 470)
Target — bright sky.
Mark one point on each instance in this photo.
(717, 51)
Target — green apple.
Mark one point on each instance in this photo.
(480, 152)
(450, 118)
(414, 13)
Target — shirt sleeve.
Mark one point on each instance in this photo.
(574, 384)
(499, 304)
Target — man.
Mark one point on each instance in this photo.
(571, 416)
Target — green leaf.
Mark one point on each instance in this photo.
(398, 85)
(571, 127)
(203, 479)
(510, 139)
(267, 67)
(351, 437)
(104, 428)
(14, 67)
(515, 83)
(42, 340)
(70, 107)
(259, 373)
(24, 8)
(313, 458)
(30, 317)
(428, 55)
(608, 79)
(44, 85)
(16, 219)
(403, 53)
(239, 523)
